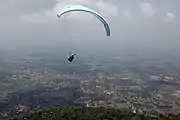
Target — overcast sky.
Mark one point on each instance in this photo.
(142, 25)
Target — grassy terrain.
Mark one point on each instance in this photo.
(88, 113)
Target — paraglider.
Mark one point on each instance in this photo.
(71, 8)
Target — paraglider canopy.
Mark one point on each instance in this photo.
(71, 8)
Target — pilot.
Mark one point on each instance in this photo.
(71, 57)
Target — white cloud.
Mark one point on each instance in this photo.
(126, 14)
(33, 18)
(150, 11)
(45, 15)
(7, 4)
(107, 8)
(104, 7)
(169, 17)
(147, 9)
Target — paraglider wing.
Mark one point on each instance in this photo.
(71, 8)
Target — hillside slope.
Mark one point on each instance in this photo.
(88, 113)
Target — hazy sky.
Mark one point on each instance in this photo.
(141, 25)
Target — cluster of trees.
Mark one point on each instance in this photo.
(89, 113)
